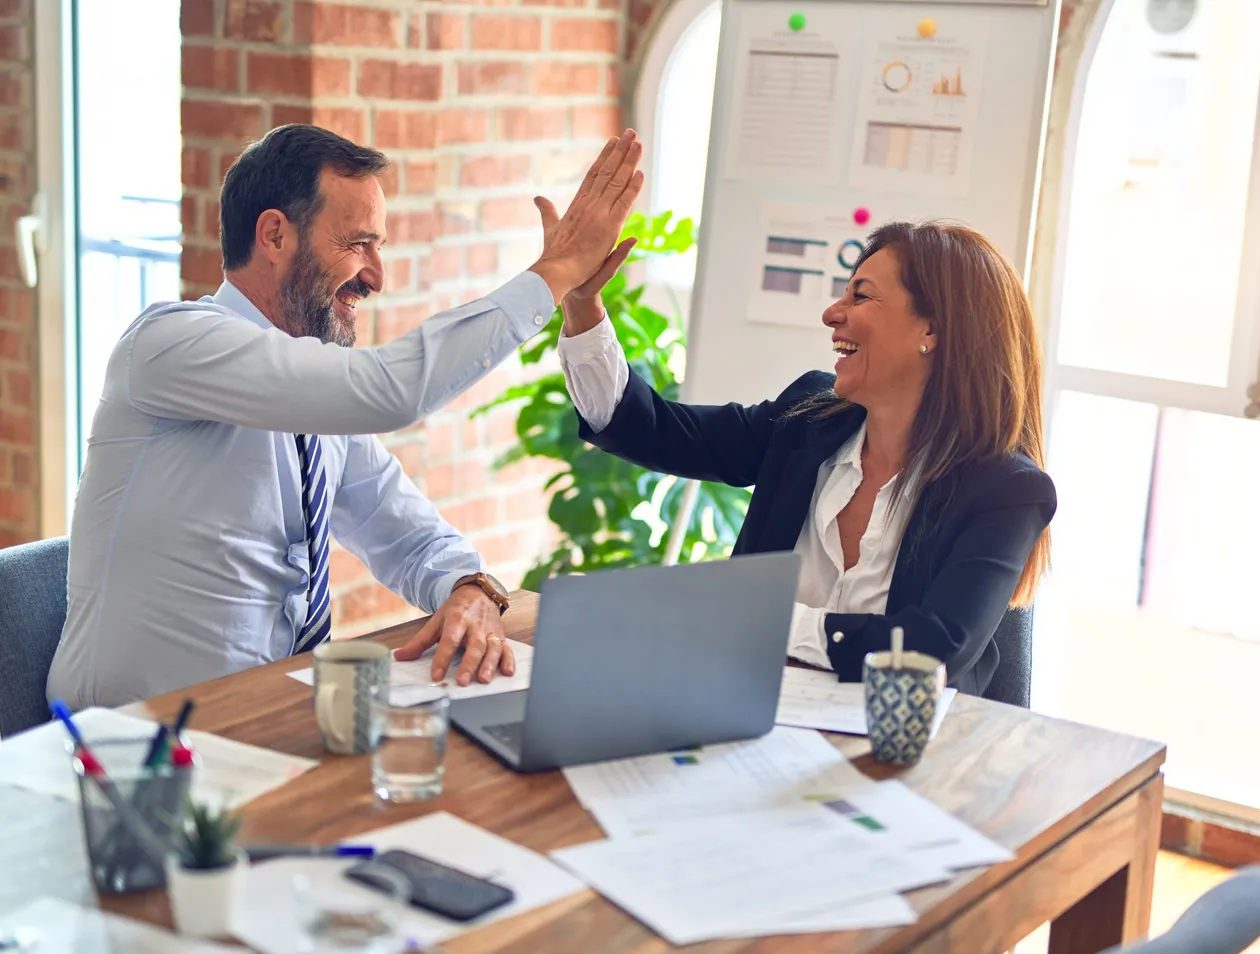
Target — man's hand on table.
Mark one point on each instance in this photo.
(468, 618)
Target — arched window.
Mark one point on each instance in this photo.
(673, 103)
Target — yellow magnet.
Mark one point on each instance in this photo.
(927, 27)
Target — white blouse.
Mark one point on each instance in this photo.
(596, 373)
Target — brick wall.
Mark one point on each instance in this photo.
(480, 105)
(19, 456)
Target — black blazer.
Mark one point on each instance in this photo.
(965, 543)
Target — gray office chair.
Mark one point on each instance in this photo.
(32, 612)
(1224, 921)
(1012, 680)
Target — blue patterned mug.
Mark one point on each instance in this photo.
(351, 679)
(901, 704)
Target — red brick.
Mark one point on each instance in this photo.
(587, 35)
(501, 428)
(612, 83)
(415, 32)
(189, 207)
(226, 161)
(398, 274)
(345, 25)
(17, 427)
(421, 176)
(410, 456)
(596, 122)
(499, 78)
(13, 132)
(210, 67)
(369, 601)
(462, 125)
(210, 219)
(258, 20)
(498, 32)
(13, 178)
(211, 119)
(445, 31)
(445, 261)
(13, 92)
(300, 76)
(483, 259)
(571, 4)
(389, 180)
(344, 121)
(486, 171)
(15, 506)
(455, 218)
(13, 345)
(510, 547)
(395, 129)
(512, 212)
(23, 469)
(344, 567)
(13, 44)
(196, 17)
(562, 167)
(526, 505)
(480, 513)
(203, 264)
(393, 322)
(530, 123)
(389, 79)
(439, 439)
(566, 79)
(17, 388)
(195, 168)
(412, 227)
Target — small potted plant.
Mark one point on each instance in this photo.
(205, 876)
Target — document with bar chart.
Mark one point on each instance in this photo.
(785, 124)
(919, 104)
(806, 254)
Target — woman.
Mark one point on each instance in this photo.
(910, 481)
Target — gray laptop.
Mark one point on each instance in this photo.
(628, 662)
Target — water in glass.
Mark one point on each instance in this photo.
(409, 762)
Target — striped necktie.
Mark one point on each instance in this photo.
(315, 504)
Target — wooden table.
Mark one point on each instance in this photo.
(1079, 806)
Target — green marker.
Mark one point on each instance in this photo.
(796, 21)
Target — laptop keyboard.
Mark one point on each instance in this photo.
(508, 733)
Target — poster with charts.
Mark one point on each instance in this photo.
(805, 256)
(785, 125)
(918, 105)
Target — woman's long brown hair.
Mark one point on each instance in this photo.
(983, 394)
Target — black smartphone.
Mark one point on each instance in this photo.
(446, 891)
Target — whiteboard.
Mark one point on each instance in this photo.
(822, 109)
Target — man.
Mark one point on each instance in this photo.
(233, 436)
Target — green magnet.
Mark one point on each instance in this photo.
(797, 21)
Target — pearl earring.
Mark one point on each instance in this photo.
(922, 349)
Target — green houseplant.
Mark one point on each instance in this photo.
(205, 876)
(611, 513)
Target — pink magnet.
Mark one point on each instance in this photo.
(861, 215)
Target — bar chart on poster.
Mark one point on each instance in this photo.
(832, 117)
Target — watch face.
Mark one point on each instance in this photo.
(498, 586)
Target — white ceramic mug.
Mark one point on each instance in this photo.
(350, 678)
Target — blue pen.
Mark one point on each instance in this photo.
(62, 712)
(263, 852)
(181, 720)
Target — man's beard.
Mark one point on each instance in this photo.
(309, 305)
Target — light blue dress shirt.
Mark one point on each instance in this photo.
(188, 554)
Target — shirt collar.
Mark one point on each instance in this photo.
(851, 452)
(231, 297)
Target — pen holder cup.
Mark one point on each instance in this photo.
(120, 859)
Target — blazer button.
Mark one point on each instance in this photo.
(836, 637)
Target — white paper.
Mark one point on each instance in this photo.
(629, 797)
(813, 699)
(409, 681)
(270, 921)
(230, 772)
(50, 926)
(891, 911)
(743, 873)
(918, 105)
(785, 117)
(805, 257)
(907, 822)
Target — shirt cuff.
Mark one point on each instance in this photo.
(443, 588)
(584, 348)
(808, 639)
(527, 302)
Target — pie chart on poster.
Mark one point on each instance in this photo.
(896, 77)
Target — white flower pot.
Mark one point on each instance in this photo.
(204, 902)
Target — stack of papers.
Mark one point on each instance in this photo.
(775, 835)
(58, 926)
(230, 772)
(410, 681)
(813, 699)
(273, 917)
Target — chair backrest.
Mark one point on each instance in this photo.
(1012, 680)
(1226, 920)
(32, 613)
